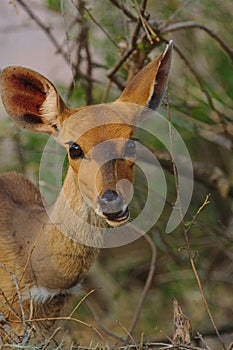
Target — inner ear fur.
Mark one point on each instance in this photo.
(31, 100)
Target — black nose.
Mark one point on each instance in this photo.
(109, 196)
(111, 204)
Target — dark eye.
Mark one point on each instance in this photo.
(130, 149)
(75, 151)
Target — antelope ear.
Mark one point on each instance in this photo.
(148, 85)
(31, 100)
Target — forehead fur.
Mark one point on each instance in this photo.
(98, 123)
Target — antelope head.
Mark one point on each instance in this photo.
(99, 139)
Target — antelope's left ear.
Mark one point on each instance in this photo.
(148, 85)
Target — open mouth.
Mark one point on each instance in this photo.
(117, 219)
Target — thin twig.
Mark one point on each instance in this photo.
(129, 335)
(63, 318)
(145, 27)
(51, 338)
(191, 24)
(28, 261)
(38, 236)
(143, 295)
(23, 320)
(148, 280)
(101, 325)
(52, 38)
(200, 337)
(184, 4)
(89, 90)
(62, 6)
(81, 301)
(124, 9)
(203, 295)
(9, 305)
(203, 89)
(120, 62)
(185, 232)
(133, 44)
(88, 12)
(149, 345)
(204, 204)
(45, 28)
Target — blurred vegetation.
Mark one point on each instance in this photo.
(98, 35)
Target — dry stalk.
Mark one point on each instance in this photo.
(185, 232)
(142, 298)
(221, 116)
(81, 301)
(64, 318)
(102, 326)
(57, 330)
(129, 335)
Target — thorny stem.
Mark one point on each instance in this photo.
(185, 232)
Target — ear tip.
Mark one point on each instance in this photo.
(169, 48)
(167, 53)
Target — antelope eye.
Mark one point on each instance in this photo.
(130, 149)
(75, 151)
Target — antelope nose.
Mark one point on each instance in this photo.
(109, 196)
(111, 204)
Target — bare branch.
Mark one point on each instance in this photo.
(207, 174)
(124, 9)
(52, 38)
(188, 247)
(191, 24)
(221, 117)
(98, 24)
(45, 28)
(133, 43)
(101, 325)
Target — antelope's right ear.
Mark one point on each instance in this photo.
(31, 100)
(148, 85)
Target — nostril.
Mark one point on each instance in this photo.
(111, 204)
(109, 196)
